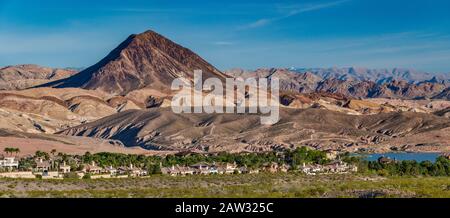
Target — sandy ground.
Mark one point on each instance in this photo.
(69, 145)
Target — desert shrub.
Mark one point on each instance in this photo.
(71, 175)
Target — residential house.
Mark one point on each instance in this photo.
(9, 162)
(42, 165)
(333, 167)
(227, 168)
(271, 167)
(284, 168)
(122, 171)
(136, 171)
(169, 171)
(64, 168)
(111, 170)
(185, 170)
(275, 167)
(311, 169)
(179, 170)
(92, 168)
(338, 167)
(202, 168)
(213, 169)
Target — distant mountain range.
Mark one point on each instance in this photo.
(378, 76)
(358, 83)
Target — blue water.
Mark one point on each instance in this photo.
(405, 156)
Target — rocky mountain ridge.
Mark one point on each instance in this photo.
(29, 75)
(340, 81)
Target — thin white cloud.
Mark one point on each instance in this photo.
(293, 10)
(315, 7)
(259, 23)
(148, 10)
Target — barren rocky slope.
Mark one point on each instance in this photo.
(47, 110)
(160, 128)
(29, 75)
(444, 94)
(444, 112)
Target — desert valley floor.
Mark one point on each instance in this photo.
(235, 186)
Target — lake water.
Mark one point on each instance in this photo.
(405, 156)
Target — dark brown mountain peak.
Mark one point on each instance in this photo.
(146, 60)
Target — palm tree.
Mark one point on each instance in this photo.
(7, 150)
(17, 151)
(53, 151)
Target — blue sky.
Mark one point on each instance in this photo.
(234, 33)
